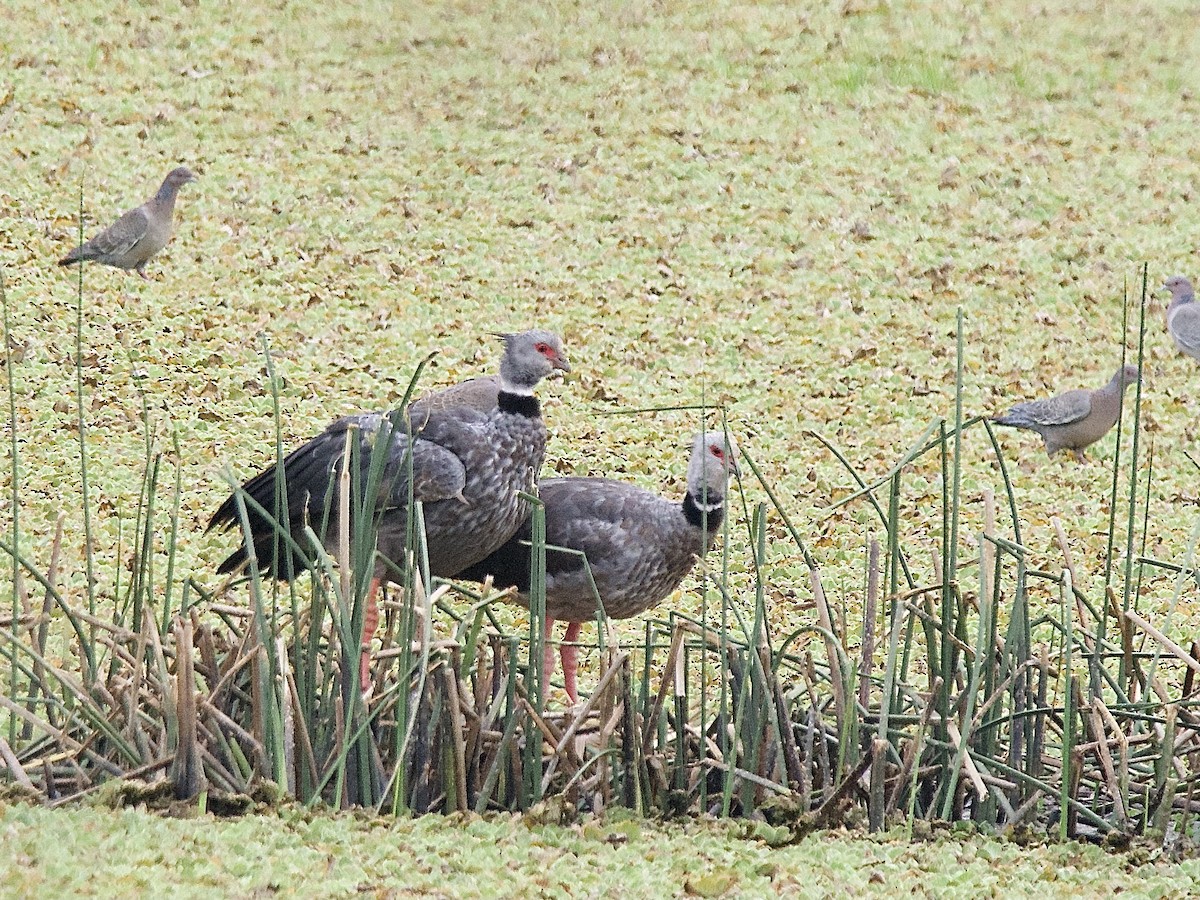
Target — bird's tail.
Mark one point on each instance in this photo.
(82, 253)
(310, 481)
(1013, 420)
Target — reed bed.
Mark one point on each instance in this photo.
(953, 698)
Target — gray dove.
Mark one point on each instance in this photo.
(1076, 419)
(139, 234)
(1183, 316)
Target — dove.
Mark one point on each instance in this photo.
(131, 241)
(1074, 420)
(1183, 316)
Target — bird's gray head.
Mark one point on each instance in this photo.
(1127, 375)
(529, 356)
(714, 457)
(175, 179)
(1180, 288)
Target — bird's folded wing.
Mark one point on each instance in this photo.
(437, 474)
(593, 514)
(1185, 328)
(120, 237)
(479, 394)
(1061, 410)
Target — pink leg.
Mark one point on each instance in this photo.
(370, 624)
(569, 653)
(547, 656)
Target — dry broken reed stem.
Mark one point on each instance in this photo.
(564, 743)
(1165, 642)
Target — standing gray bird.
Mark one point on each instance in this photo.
(130, 241)
(1076, 419)
(1183, 316)
(638, 545)
(473, 447)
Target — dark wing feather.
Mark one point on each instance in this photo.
(595, 516)
(478, 394)
(1061, 410)
(312, 472)
(114, 241)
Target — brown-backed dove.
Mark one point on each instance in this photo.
(1076, 419)
(139, 234)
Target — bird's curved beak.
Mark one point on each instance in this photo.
(560, 362)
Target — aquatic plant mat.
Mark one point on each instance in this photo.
(941, 700)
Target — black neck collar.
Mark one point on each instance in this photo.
(698, 517)
(519, 404)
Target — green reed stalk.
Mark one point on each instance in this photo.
(648, 648)
(415, 572)
(722, 674)
(996, 670)
(363, 527)
(983, 652)
(870, 616)
(142, 577)
(84, 484)
(1133, 453)
(1004, 476)
(1116, 467)
(754, 726)
(78, 625)
(923, 444)
(280, 509)
(14, 489)
(896, 618)
(263, 631)
(951, 572)
(944, 661)
(173, 539)
(141, 583)
(739, 708)
(744, 456)
(537, 607)
(951, 487)
(504, 748)
(337, 768)
(1137, 592)
(1067, 607)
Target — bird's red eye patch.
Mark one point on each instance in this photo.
(717, 452)
(544, 349)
